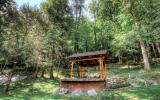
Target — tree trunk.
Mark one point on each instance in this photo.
(128, 63)
(51, 72)
(154, 50)
(120, 59)
(35, 74)
(149, 52)
(43, 71)
(9, 80)
(86, 45)
(158, 47)
(94, 31)
(144, 54)
(76, 35)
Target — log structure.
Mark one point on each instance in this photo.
(87, 59)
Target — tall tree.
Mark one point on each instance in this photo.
(94, 10)
(77, 12)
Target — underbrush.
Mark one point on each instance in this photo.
(116, 86)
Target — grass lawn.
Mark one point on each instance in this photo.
(42, 88)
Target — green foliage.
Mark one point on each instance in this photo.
(116, 86)
(59, 13)
(109, 9)
(44, 37)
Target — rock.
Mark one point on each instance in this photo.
(62, 91)
(135, 84)
(155, 83)
(92, 92)
(15, 78)
(18, 78)
(3, 78)
(77, 92)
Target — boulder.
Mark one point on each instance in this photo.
(18, 78)
(3, 78)
(77, 92)
(92, 92)
(62, 91)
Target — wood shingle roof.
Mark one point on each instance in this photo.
(85, 54)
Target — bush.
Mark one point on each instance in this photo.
(115, 86)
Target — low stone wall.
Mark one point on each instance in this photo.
(117, 80)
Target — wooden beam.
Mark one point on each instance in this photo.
(87, 59)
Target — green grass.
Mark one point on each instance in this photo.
(141, 93)
(32, 89)
(43, 88)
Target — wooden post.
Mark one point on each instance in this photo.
(105, 72)
(71, 73)
(81, 71)
(100, 67)
(103, 68)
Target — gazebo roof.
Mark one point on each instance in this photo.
(89, 54)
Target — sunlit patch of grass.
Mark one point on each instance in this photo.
(130, 96)
(33, 89)
(144, 93)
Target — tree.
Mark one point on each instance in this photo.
(61, 19)
(137, 12)
(94, 10)
(77, 12)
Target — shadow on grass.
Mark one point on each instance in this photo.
(32, 94)
(32, 89)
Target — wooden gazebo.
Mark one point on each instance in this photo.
(87, 59)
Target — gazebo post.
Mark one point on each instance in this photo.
(71, 73)
(81, 72)
(103, 67)
(100, 67)
(105, 71)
